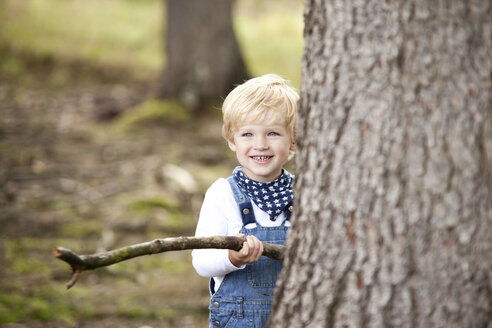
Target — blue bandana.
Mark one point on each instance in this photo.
(271, 197)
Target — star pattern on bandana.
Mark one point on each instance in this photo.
(271, 197)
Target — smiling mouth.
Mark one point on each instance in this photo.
(261, 158)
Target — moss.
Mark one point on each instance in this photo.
(29, 265)
(11, 308)
(175, 267)
(82, 229)
(18, 259)
(152, 111)
(41, 204)
(128, 308)
(147, 205)
(42, 304)
(23, 255)
(179, 221)
(137, 313)
(11, 66)
(147, 265)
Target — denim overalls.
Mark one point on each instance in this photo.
(244, 296)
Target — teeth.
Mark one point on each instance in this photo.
(261, 158)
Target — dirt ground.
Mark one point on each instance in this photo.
(73, 175)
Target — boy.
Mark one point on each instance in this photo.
(259, 119)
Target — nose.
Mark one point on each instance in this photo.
(260, 143)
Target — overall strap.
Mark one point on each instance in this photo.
(288, 212)
(244, 203)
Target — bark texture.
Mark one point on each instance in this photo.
(393, 222)
(204, 61)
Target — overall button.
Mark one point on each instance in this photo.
(291, 208)
(216, 304)
(246, 211)
(216, 323)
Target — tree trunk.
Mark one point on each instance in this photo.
(203, 57)
(393, 221)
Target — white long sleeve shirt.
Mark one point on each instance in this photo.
(220, 216)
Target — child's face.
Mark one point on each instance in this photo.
(262, 150)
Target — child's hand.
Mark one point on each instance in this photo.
(251, 251)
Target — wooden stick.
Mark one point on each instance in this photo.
(80, 263)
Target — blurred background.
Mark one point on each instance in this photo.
(96, 154)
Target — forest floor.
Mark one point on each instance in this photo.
(80, 169)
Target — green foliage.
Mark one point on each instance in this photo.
(107, 32)
(129, 34)
(270, 35)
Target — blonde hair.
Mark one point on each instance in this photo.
(266, 99)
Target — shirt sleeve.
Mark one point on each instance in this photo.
(216, 219)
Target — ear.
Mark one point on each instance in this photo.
(232, 145)
(292, 146)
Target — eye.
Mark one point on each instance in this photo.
(247, 134)
(272, 134)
